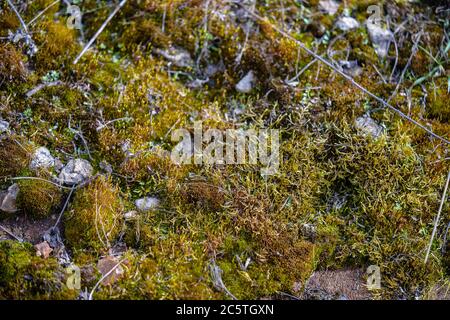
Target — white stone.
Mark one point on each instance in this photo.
(4, 126)
(368, 126)
(347, 23)
(147, 203)
(130, 215)
(351, 68)
(178, 56)
(328, 6)
(42, 159)
(247, 83)
(8, 199)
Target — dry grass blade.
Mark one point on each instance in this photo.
(22, 23)
(436, 222)
(99, 31)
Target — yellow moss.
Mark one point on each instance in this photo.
(95, 216)
(12, 64)
(57, 46)
(38, 198)
(14, 157)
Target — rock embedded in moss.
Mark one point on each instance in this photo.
(381, 38)
(329, 6)
(43, 249)
(42, 159)
(75, 172)
(178, 56)
(8, 199)
(246, 84)
(368, 126)
(4, 126)
(147, 203)
(111, 269)
(347, 23)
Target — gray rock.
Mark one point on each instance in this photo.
(351, 68)
(42, 159)
(328, 6)
(106, 167)
(8, 199)
(4, 126)
(147, 203)
(197, 83)
(309, 231)
(347, 23)
(178, 56)
(247, 83)
(75, 172)
(58, 165)
(368, 126)
(380, 37)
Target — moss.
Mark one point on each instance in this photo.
(23, 275)
(437, 106)
(57, 46)
(38, 198)
(14, 157)
(12, 64)
(94, 218)
(367, 201)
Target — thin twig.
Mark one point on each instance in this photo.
(41, 86)
(104, 277)
(42, 12)
(348, 78)
(436, 222)
(104, 125)
(22, 23)
(64, 207)
(413, 52)
(11, 234)
(99, 31)
(40, 179)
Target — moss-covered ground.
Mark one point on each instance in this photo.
(369, 201)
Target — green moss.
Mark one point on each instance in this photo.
(14, 157)
(437, 101)
(94, 218)
(368, 201)
(23, 275)
(38, 198)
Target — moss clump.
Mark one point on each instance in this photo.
(94, 219)
(12, 64)
(437, 101)
(38, 198)
(57, 46)
(14, 157)
(176, 268)
(23, 275)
